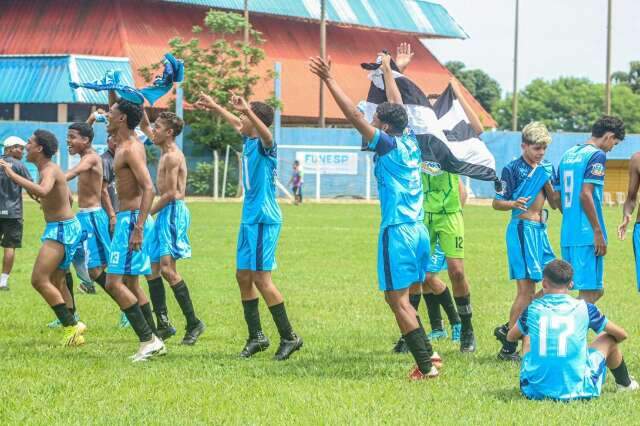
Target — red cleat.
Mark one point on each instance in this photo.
(416, 374)
(436, 360)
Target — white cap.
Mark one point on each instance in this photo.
(13, 141)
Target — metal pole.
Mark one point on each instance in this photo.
(318, 180)
(607, 102)
(180, 112)
(216, 164)
(323, 55)
(514, 106)
(224, 175)
(368, 177)
(277, 91)
(246, 43)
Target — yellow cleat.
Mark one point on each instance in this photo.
(73, 335)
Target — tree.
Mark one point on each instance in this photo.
(631, 78)
(569, 104)
(484, 88)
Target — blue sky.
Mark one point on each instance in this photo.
(557, 38)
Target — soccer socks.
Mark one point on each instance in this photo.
(138, 322)
(446, 301)
(463, 304)
(433, 310)
(148, 316)
(181, 292)
(420, 348)
(101, 280)
(252, 316)
(69, 280)
(279, 314)
(158, 296)
(621, 374)
(414, 299)
(64, 315)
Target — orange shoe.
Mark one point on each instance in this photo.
(416, 374)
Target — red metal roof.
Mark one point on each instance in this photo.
(140, 30)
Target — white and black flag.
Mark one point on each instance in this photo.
(445, 137)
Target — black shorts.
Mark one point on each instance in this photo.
(10, 233)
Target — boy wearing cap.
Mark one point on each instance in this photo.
(11, 211)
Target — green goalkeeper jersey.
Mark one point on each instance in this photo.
(441, 193)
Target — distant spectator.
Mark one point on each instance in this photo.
(296, 181)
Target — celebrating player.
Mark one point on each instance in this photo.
(62, 234)
(580, 179)
(169, 240)
(403, 246)
(558, 363)
(261, 222)
(526, 185)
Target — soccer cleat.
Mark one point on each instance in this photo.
(4, 287)
(153, 348)
(437, 335)
(87, 288)
(501, 333)
(165, 329)
(436, 360)
(287, 347)
(633, 386)
(400, 347)
(509, 356)
(456, 329)
(191, 336)
(57, 324)
(255, 344)
(467, 342)
(72, 335)
(124, 321)
(416, 374)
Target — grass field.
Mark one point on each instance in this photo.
(344, 374)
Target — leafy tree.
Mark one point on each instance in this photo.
(569, 104)
(631, 78)
(484, 88)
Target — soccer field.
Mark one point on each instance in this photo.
(345, 373)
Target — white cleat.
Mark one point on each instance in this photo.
(633, 386)
(152, 348)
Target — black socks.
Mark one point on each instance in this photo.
(181, 292)
(252, 316)
(148, 316)
(463, 304)
(69, 280)
(279, 314)
(420, 348)
(433, 310)
(101, 280)
(157, 295)
(64, 315)
(621, 374)
(446, 301)
(138, 322)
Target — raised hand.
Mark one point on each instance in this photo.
(205, 102)
(321, 67)
(403, 55)
(386, 60)
(238, 102)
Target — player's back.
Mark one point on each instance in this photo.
(259, 173)
(579, 165)
(397, 170)
(555, 366)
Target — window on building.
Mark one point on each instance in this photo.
(6, 111)
(39, 112)
(78, 112)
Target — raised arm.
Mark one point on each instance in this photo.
(403, 56)
(390, 86)
(475, 122)
(38, 190)
(241, 105)
(85, 164)
(138, 167)
(145, 125)
(171, 167)
(632, 195)
(322, 69)
(206, 102)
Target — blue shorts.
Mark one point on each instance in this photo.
(595, 373)
(528, 249)
(636, 248)
(69, 234)
(437, 261)
(257, 244)
(588, 269)
(123, 261)
(403, 255)
(169, 235)
(95, 224)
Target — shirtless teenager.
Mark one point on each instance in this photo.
(62, 233)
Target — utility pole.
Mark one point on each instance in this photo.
(246, 43)
(323, 54)
(514, 106)
(607, 95)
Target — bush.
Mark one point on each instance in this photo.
(200, 181)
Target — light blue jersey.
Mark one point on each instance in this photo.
(397, 170)
(579, 165)
(559, 364)
(519, 179)
(259, 169)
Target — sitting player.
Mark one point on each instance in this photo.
(526, 185)
(558, 363)
(62, 234)
(403, 245)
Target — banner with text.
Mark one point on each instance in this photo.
(328, 163)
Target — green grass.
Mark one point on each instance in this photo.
(345, 372)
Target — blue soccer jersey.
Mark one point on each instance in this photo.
(559, 364)
(520, 179)
(579, 165)
(397, 170)
(259, 171)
